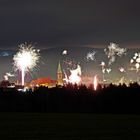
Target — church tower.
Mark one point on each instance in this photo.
(59, 76)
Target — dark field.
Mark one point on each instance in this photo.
(32, 126)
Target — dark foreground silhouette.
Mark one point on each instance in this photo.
(73, 99)
(68, 126)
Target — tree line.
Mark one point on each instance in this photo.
(73, 99)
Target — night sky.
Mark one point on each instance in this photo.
(68, 24)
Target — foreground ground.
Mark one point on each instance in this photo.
(33, 126)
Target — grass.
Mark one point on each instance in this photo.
(34, 126)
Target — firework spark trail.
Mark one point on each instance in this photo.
(103, 66)
(95, 82)
(26, 59)
(103, 69)
(75, 76)
(91, 56)
(112, 51)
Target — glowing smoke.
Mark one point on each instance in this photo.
(112, 51)
(70, 63)
(10, 74)
(66, 79)
(26, 59)
(75, 76)
(7, 75)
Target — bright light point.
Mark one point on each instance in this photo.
(5, 77)
(136, 54)
(102, 64)
(134, 57)
(38, 50)
(138, 60)
(121, 69)
(131, 61)
(64, 52)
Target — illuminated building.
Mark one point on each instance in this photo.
(59, 76)
(48, 82)
(45, 81)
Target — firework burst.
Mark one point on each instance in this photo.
(90, 56)
(136, 61)
(26, 59)
(75, 76)
(112, 51)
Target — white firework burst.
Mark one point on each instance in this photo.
(136, 61)
(91, 56)
(26, 59)
(75, 76)
(114, 50)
